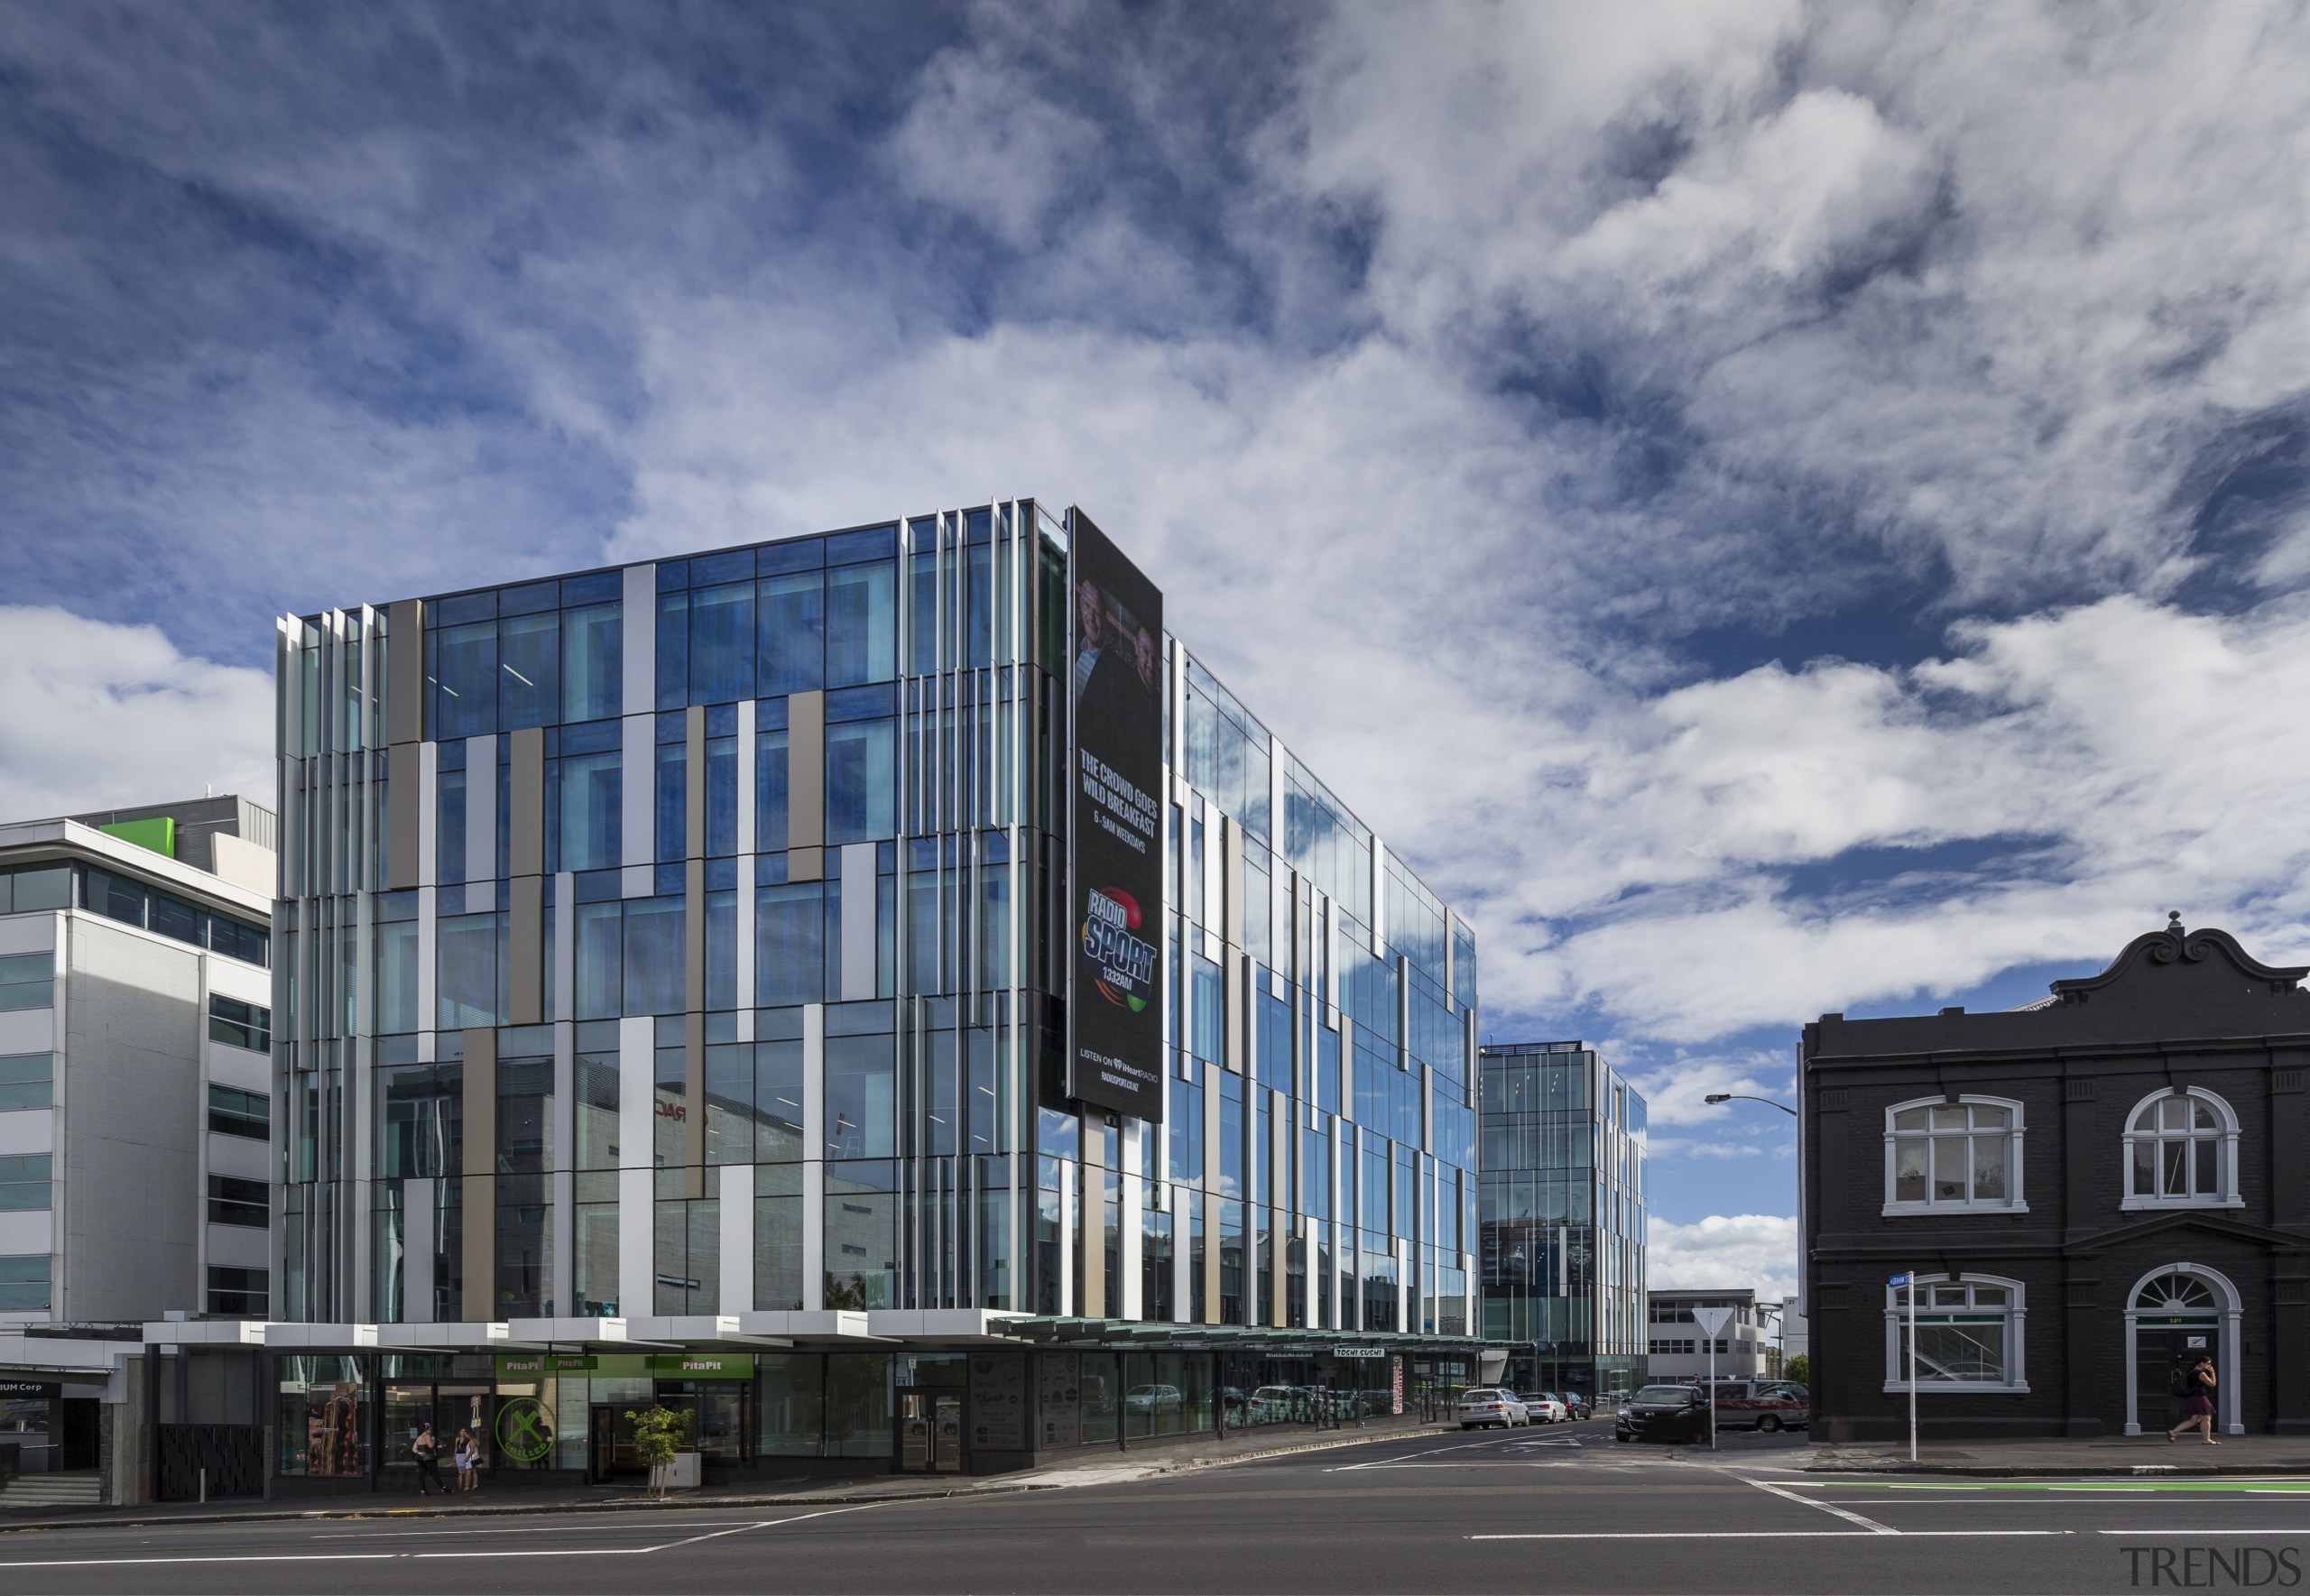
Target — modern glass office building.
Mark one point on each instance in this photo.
(1563, 1218)
(876, 989)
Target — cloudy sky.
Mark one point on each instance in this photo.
(1774, 509)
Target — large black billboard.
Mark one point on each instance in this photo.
(1115, 881)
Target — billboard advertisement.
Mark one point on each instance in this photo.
(1116, 878)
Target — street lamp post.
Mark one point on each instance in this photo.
(1744, 1097)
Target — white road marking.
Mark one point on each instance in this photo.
(1870, 1524)
(357, 1535)
(392, 1556)
(2196, 1530)
(1401, 1461)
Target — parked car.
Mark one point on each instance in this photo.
(1580, 1406)
(1663, 1413)
(1545, 1408)
(1483, 1406)
(1274, 1404)
(1154, 1399)
(1766, 1404)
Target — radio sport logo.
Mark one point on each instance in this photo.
(1126, 960)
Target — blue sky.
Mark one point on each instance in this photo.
(1774, 509)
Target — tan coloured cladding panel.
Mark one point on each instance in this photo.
(404, 809)
(806, 864)
(694, 782)
(526, 801)
(1230, 879)
(525, 951)
(694, 938)
(479, 1196)
(405, 671)
(694, 1104)
(1211, 1256)
(806, 770)
(1232, 1017)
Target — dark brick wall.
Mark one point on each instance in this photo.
(2077, 1252)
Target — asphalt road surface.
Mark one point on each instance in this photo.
(1555, 1509)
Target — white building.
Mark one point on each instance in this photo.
(136, 1097)
(1678, 1352)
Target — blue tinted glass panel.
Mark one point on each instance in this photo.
(790, 943)
(861, 793)
(722, 796)
(673, 649)
(464, 607)
(597, 587)
(591, 797)
(795, 554)
(792, 609)
(530, 599)
(770, 792)
(593, 669)
(707, 570)
(861, 624)
(673, 795)
(654, 955)
(722, 642)
(466, 680)
(867, 543)
(529, 670)
(922, 613)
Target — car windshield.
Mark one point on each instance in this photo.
(1665, 1394)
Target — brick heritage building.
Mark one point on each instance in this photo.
(2088, 1190)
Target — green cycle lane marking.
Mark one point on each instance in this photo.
(2126, 1487)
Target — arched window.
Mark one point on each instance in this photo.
(2182, 1152)
(1969, 1334)
(1963, 1154)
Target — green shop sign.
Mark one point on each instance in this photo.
(627, 1365)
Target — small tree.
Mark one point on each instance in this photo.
(659, 1432)
(1799, 1368)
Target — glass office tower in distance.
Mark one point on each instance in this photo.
(1563, 1226)
(889, 942)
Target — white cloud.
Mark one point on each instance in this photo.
(1724, 1250)
(94, 715)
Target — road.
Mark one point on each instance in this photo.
(1557, 1508)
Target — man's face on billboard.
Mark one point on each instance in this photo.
(1092, 611)
(1145, 644)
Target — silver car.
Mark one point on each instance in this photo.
(1483, 1406)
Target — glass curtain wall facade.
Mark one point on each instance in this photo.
(689, 938)
(1563, 1218)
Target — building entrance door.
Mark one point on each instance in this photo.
(609, 1444)
(930, 1432)
(2163, 1354)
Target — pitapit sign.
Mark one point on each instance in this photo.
(1115, 877)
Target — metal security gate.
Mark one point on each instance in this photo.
(231, 1455)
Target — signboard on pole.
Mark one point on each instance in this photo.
(1712, 1322)
(1114, 1056)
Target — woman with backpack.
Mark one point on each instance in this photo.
(2201, 1402)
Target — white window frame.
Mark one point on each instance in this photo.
(2015, 1201)
(2016, 1316)
(2224, 1137)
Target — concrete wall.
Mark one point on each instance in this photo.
(128, 1196)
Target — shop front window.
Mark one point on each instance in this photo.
(322, 1409)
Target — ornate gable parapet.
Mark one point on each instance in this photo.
(2212, 965)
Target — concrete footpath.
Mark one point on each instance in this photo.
(1091, 1466)
(2114, 1455)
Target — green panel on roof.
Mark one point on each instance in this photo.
(159, 835)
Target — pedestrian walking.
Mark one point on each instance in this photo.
(2201, 1403)
(427, 1449)
(467, 1479)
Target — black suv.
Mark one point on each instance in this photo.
(1663, 1413)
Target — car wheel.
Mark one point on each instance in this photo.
(1769, 1424)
